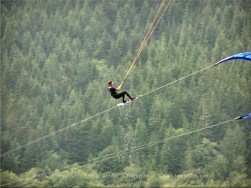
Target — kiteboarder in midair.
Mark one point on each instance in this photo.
(114, 92)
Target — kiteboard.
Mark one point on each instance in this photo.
(128, 102)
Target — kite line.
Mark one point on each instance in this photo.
(121, 153)
(93, 116)
(152, 28)
(55, 132)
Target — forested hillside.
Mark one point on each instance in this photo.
(56, 60)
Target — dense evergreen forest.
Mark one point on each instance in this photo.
(56, 60)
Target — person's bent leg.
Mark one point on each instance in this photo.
(122, 94)
(128, 95)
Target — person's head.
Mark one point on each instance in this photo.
(110, 83)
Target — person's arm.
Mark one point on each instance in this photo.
(119, 88)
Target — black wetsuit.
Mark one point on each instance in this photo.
(117, 95)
